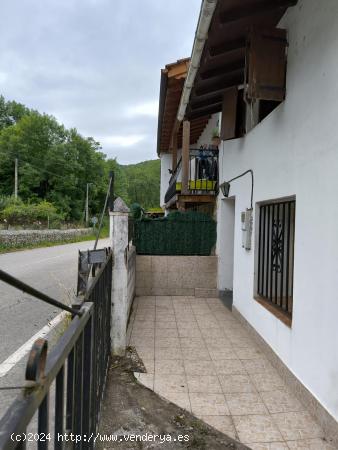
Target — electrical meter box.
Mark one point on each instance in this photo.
(246, 225)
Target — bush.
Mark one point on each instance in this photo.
(6, 200)
(39, 215)
(136, 211)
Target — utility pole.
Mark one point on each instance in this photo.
(87, 208)
(16, 179)
(111, 192)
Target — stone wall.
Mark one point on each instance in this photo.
(13, 238)
(176, 275)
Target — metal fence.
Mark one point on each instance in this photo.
(203, 171)
(77, 365)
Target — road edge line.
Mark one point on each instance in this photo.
(22, 351)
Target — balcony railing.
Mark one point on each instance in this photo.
(203, 174)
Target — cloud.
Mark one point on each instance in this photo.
(3, 77)
(121, 141)
(95, 64)
(149, 109)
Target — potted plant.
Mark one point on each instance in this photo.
(216, 140)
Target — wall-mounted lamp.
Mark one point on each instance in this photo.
(225, 187)
(246, 216)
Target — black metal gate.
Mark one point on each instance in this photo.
(77, 365)
(276, 254)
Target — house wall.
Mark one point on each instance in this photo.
(206, 136)
(165, 175)
(225, 243)
(294, 152)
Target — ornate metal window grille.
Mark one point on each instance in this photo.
(276, 254)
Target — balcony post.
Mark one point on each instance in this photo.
(185, 157)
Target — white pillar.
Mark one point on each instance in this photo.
(119, 243)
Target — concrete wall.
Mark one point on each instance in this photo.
(131, 265)
(22, 237)
(176, 275)
(206, 136)
(123, 276)
(294, 152)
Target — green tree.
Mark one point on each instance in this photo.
(56, 164)
(120, 179)
(144, 183)
(11, 112)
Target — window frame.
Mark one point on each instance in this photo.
(272, 304)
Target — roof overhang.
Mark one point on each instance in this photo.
(172, 81)
(222, 63)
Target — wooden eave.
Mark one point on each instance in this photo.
(222, 63)
(172, 82)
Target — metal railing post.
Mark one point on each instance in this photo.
(87, 378)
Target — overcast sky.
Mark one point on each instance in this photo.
(95, 64)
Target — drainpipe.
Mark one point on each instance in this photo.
(201, 35)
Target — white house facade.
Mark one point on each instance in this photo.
(284, 282)
(293, 153)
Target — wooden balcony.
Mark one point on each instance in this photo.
(202, 181)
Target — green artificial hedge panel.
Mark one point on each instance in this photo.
(189, 233)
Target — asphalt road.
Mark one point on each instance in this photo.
(52, 270)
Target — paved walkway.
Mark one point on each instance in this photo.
(200, 357)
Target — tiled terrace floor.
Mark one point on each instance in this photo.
(200, 357)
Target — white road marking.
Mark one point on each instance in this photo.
(15, 357)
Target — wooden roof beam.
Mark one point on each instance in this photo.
(221, 70)
(209, 105)
(199, 126)
(201, 112)
(179, 69)
(201, 120)
(202, 103)
(227, 47)
(212, 106)
(198, 129)
(193, 132)
(224, 83)
(254, 9)
(197, 132)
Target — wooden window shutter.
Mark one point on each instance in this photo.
(266, 64)
(229, 114)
